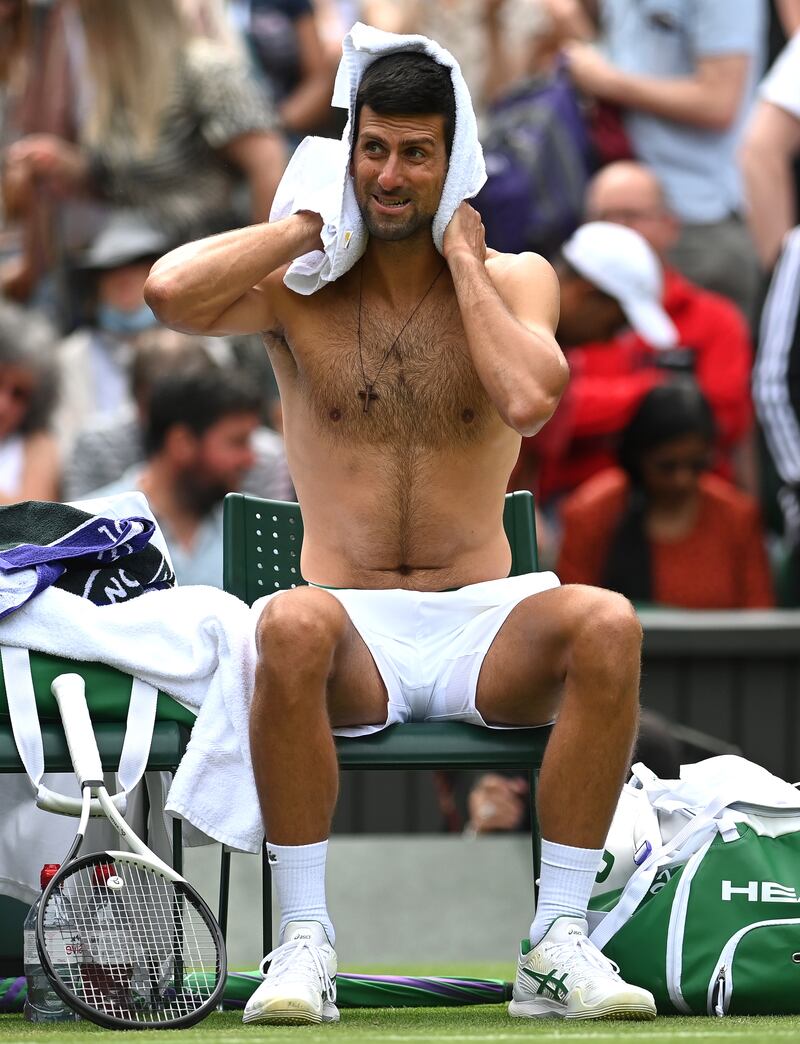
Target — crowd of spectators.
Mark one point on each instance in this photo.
(647, 147)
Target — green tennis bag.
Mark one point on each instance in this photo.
(709, 917)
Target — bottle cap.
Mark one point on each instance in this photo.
(102, 872)
(49, 871)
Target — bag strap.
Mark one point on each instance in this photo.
(702, 824)
(27, 733)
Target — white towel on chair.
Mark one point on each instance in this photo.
(318, 179)
(198, 645)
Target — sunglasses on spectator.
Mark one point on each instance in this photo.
(622, 216)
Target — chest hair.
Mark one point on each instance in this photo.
(427, 394)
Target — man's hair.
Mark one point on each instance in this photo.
(408, 83)
(198, 399)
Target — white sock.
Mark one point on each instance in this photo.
(299, 875)
(565, 884)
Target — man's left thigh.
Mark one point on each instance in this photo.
(522, 677)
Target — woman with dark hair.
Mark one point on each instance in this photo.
(661, 528)
(29, 466)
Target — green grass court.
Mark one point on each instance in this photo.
(484, 1023)
(396, 1026)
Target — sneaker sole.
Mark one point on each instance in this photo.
(544, 1009)
(288, 1013)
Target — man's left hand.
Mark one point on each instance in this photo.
(465, 234)
(590, 71)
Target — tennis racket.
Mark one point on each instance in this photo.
(121, 935)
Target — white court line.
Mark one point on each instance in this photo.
(724, 1030)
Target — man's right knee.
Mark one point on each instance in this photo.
(300, 629)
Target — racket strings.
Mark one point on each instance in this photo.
(128, 943)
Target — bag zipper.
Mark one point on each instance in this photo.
(720, 987)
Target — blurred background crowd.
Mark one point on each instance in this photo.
(646, 147)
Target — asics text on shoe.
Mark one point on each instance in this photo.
(566, 976)
(300, 982)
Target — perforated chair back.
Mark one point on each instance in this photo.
(263, 539)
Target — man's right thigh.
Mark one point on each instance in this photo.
(300, 622)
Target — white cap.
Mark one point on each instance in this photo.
(623, 265)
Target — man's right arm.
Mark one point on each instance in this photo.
(219, 285)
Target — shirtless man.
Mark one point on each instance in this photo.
(406, 385)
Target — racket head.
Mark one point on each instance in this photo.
(129, 945)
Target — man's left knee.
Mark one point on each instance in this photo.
(615, 622)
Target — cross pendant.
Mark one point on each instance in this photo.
(367, 395)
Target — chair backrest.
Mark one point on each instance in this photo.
(262, 541)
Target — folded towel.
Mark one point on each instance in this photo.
(105, 558)
(318, 179)
(198, 645)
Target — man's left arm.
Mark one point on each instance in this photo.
(509, 318)
(710, 98)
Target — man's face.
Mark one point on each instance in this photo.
(216, 461)
(633, 199)
(587, 314)
(399, 168)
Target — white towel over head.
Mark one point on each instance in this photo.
(318, 179)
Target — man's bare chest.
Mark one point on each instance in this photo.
(416, 389)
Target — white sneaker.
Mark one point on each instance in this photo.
(566, 976)
(300, 984)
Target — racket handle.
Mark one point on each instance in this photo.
(70, 693)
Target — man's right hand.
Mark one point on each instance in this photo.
(221, 285)
(314, 223)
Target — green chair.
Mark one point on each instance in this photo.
(262, 541)
(108, 693)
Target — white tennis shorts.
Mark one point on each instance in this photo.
(429, 646)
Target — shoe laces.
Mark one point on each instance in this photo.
(301, 960)
(583, 960)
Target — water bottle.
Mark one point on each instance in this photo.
(43, 1003)
(109, 945)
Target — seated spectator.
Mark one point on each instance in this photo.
(610, 280)
(769, 152)
(610, 377)
(168, 124)
(94, 361)
(685, 74)
(114, 444)
(198, 444)
(29, 464)
(661, 529)
(710, 328)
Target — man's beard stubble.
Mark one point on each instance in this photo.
(200, 496)
(392, 232)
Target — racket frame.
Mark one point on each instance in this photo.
(69, 691)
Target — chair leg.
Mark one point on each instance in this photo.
(177, 845)
(536, 839)
(224, 890)
(266, 901)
